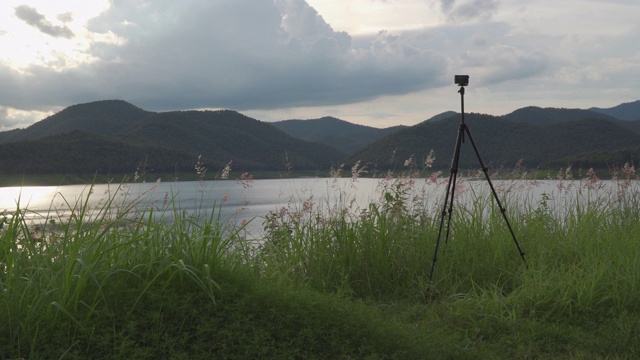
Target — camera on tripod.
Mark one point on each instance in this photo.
(463, 129)
(461, 80)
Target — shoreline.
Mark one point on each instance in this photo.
(85, 179)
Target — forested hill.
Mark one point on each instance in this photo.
(106, 117)
(112, 136)
(80, 153)
(627, 111)
(500, 141)
(545, 116)
(225, 135)
(334, 132)
(115, 137)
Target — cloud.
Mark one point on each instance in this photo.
(469, 10)
(261, 56)
(245, 54)
(255, 54)
(492, 53)
(65, 17)
(11, 118)
(37, 20)
(248, 55)
(447, 5)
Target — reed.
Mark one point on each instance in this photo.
(328, 279)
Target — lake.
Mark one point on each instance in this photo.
(240, 201)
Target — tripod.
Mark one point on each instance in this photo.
(463, 129)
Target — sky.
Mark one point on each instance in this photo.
(373, 62)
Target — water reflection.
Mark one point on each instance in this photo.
(33, 197)
(233, 201)
(237, 202)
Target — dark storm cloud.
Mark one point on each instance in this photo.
(255, 54)
(37, 20)
(246, 54)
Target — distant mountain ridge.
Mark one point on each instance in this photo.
(114, 136)
(340, 134)
(129, 135)
(545, 116)
(105, 117)
(501, 141)
(626, 111)
(226, 135)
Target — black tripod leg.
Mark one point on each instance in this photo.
(442, 216)
(448, 202)
(454, 171)
(495, 195)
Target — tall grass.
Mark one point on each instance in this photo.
(371, 252)
(329, 280)
(581, 257)
(577, 295)
(55, 278)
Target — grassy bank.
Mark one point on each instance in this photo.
(327, 282)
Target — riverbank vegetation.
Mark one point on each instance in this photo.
(569, 172)
(329, 281)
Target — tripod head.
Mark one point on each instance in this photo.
(462, 81)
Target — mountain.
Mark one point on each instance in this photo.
(545, 116)
(81, 153)
(631, 125)
(444, 115)
(627, 111)
(340, 134)
(114, 136)
(104, 117)
(500, 141)
(603, 159)
(226, 135)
